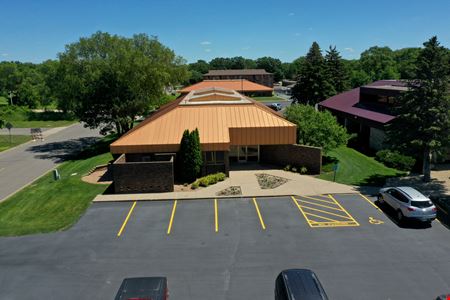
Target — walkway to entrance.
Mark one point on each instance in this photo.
(243, 175)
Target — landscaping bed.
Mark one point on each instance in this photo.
(267, 181)
(230, 191)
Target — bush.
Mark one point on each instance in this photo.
(303, 170)
(208, 180)
(395, 159)
(287, 168)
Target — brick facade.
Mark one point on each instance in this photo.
(143, 176)
(294, 155)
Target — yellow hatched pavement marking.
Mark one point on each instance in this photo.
(326, 212)
(320, 200)
(329, 207)
(343, 209)
(301, 210)
(216, 216)
(172, 216)
(126, 219)
(259, 214)
(317, 216)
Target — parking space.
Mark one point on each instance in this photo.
(231, 249)
(217, 215)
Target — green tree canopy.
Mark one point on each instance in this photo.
(313, 83)
(336, 70)
(423, 121)
(271, 65)
(379, 63)
(316, 128)
(109, 80)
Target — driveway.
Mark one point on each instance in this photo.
(231, 249)
(25, 163)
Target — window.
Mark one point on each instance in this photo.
(214, 157)
(421, 204)
(399, 196)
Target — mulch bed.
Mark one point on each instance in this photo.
(267, 181)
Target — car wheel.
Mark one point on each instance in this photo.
(380, 199)
(400, 216)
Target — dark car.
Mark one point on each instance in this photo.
(275, 106)
(299, 284)
(143, 288)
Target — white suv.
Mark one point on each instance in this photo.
(408, 203)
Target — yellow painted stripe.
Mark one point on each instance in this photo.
(171, 217)
(259, 214)
(343, 209)
(326, 212)
(326, 206)
(322, 217)
(315, 199)
(216, 216)
(371, 203)
(301, 210)
(126, 219)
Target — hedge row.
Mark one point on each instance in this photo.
(208, 180)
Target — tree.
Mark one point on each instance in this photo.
(405, 60)
(189, 158)
(316, 128)
(271, 65)
(336, 70)
(379, 63)
(109, 80)
(423, 121)
(313, 83)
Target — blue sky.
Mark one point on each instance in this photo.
(203, 29)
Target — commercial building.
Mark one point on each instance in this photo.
(259, 76)
(366, 110)
(242, 86)
(233, 129)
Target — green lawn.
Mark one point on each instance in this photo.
(356, 168)
(269, 99)
(47, 205)
(3, 101)
(6, 143)
(21, 117)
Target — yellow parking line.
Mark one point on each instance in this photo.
(323, 211)
(325, 218)
(319, 205)
(343, 209)
(259, 214)
(301, 210)
(126, 219)
(371, 203)
(216, 216)
(315, 199)
(171, 217)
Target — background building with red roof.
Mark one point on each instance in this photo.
(242, 86)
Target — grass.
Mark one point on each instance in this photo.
(21, 117)
(3, 101)
(269, 99)
(6, 143)
(47, 205)
(356, 168)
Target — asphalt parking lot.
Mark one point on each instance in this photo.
(232, 249)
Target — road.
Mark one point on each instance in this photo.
(232, 249)
(25, 163)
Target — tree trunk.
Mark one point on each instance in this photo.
(426, 165)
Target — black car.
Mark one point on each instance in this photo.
(299, 284)
(143, 288)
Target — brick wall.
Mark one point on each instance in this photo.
(142, 177)
(294, 155)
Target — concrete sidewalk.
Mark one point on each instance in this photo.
(246, 179)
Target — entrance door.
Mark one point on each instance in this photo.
(242, 154)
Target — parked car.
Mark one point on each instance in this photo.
(408, 203)
(443, 297)
(275, 106)
(299, 284)
(143, 288)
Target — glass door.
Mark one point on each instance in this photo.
(242, 154)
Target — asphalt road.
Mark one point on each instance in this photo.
(357, 251)
(23, 164)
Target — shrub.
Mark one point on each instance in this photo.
(294, 169)
(303, 170)
(395, 159)
(208, 180)
(287, 168)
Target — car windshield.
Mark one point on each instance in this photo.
(421, 204)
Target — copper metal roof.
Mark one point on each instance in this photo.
(237, 72)
(240, 85)
(220, 124)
